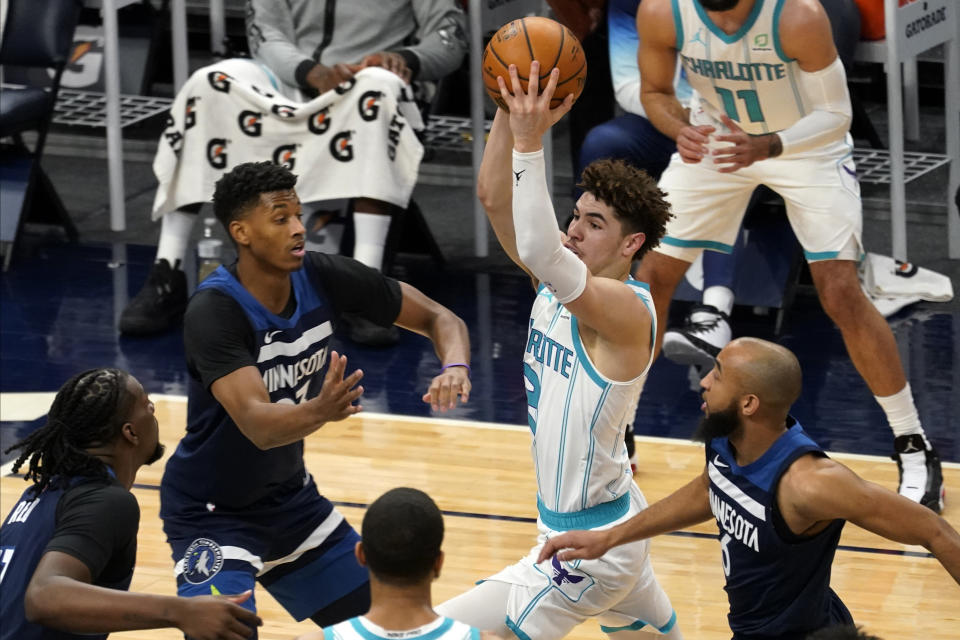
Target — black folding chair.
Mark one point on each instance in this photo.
(37, 35)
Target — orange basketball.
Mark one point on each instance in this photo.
(547, 41)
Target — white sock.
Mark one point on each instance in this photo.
(902, 413)
(719, 297)
(370, 232)
(175, 231)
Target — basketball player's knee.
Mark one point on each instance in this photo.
(840, 298)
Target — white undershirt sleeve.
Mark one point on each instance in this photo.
(826, 93)
(539, 243)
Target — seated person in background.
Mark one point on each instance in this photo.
(400, 545)
(68, 546)
(632, 138)
(706, 329)
(302, 49)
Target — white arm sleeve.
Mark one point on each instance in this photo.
(539, 244)
(826, 93)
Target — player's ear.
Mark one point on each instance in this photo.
(749, 404)
(633, 243)
(129, 433)
(361, 556)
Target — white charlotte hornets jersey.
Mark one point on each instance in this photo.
(360, 628)
(745, 75)
(577, 418)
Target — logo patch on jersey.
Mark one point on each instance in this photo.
(566, 579)
(202, 560)
(761, 42)
(716, 461)
(697, 37)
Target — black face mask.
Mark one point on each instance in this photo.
(718, 5)
(157, 454)
(717, 424)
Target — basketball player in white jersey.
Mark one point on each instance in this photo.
(771, 106)
(589, 347)
(400, 544)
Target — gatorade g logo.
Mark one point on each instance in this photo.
(340, 147)
(345, 86)
(219, 81)
(190, 114)
(320, 121)
(217, 153)
(283, 110)
(250, 123)
(265, 94)
(369, 105)
(284, 155)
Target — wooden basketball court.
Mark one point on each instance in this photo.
(481, 475)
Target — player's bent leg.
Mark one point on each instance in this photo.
(206, 569)
(873, 350)
(663, 273)
(324, 582)
(866, 334)
(483, 607)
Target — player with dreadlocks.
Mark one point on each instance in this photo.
(68, 546)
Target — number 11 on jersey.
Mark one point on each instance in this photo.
(750, 102)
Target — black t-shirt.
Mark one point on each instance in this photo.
(98, 525)
(218, 338)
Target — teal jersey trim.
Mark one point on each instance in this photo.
(717, 31)
(593, 444)
(563, 433)
(677, 23)
(798, 100)
(582, 355)
(640, 624)
(516, 630)
(474, 633)
(596, 516)
(698, 244)
(329, 633)
(776, 32)
(813, 256)
(369, 635)
(637, 283)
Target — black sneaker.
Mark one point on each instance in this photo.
(160, 303)
(705, 332)
(631, 447)
(362, 331)
(921, 478)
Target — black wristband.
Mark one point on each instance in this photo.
(300, 74)
(413, 62)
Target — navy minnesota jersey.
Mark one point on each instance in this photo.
(24, 537)
(214, 461)
(778, 584)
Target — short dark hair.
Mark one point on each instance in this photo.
(841, 632)
(240, 188)
(637, 202)
(88, 411)
(401, 536)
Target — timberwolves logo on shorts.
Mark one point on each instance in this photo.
(202, 560)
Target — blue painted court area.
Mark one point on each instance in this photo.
(58, 315)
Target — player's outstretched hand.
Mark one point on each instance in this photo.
(218, 617)
(530, 112)
(744, 151)
(444, 390)
(692, 141)
(575, 545)
(338, 394)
